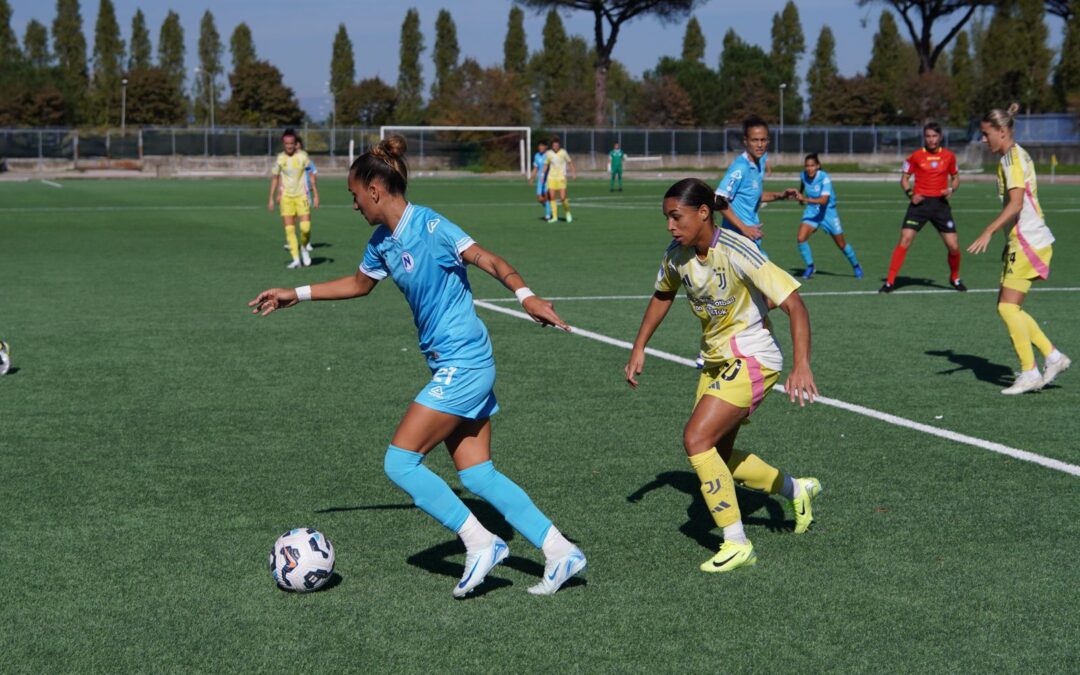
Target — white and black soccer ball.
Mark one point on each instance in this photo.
(5, 358)
(302, 560)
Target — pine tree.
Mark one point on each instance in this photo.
(446, 55)
(552, 68)
(1036, 55)
(242, 46)
(171, 49)
(108, 65)
(410, 83)
(693, 42)
(1067, 73)
(342, 67)
(9, 43)
(749, 82)
(822, 74)
(140, 52)
(788, 46)
(962, 69)
(515, 49)
(69, 45)
(260, 98)
(892, 62)
(205, 88)
(36, 45)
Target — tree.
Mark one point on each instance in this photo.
(140, 52)
(369, 103)
(822, 75)
(446, 55)
(9, 43)
(204, 88)
(962, 69)
(749, 84)
(171, 49)
(1067, 73)
(260, 98)
(788, 46)
(153, 97)
(892, 62)
(108, 65)
(343, 69)
(693, 42)
(664, 103)
(549, 69)
(928, 12)
(485, 95)
(1013, 58)
(700, 83)
(69, 45)
(611, 15)
(410, 83)
(855, 101)
(515, 49)
(242, 46)
(1035, 94)
(36, 45)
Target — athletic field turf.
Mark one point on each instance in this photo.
(156, 438)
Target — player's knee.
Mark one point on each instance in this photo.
(1006, 310)
(477, 478)
(695, 441)
(398, 463)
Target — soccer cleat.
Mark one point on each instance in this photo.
(809, 271)
(305, 257)
(731, 556)
(1054, 368)
(958, 285)
(886, 288)
(804, 515)
(1025, 382)
(557, 572)
(478, 564)
(552, 219)
(294, 265)
(569, 218)
(309, 247)
(858, 271)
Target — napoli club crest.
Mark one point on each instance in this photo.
(407, 261)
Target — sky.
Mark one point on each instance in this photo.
(297, 36)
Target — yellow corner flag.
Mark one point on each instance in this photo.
(1053, 160)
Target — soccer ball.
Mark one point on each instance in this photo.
(5, 358)
(302, 560)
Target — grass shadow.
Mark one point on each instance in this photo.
(320, 260)
(982, 368)
(901, 282)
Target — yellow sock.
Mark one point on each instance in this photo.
(717, 486)
(305, 232)
(752, 471)
(290, 236)
(555, 209)
(566, 205)
(1018, 330)
(1035, 334)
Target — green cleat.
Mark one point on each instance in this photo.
(569, 218)
(804, 515)
(731, 556)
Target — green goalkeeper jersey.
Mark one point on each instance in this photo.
(616, 157)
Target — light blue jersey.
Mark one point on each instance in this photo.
(309, 171)
(823, 215)
(539, 159)
(741, 186)
(423, 256)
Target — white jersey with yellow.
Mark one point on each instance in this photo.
(727, 291)
(1016, 170)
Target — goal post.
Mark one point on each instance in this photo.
(522, 144)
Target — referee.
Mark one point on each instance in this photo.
(936, 179)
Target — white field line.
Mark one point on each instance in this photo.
(808, 294)
(52, 183)
(1015, 453)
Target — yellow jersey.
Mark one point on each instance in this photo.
(291, 168)
(1016, 170)
(556, 163)
(727, 291)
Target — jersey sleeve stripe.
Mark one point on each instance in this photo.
(464, 243)
(374, 274)
(732, 242)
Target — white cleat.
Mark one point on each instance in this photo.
(557, 572)
(305, 257)
(1025, 382)
(309, 247)
(294, 265)
(285, 247)
(478, 564)
(1054, 368)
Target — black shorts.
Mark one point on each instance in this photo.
(934, 209)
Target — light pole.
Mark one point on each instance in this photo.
(123, 106)
(779, 139)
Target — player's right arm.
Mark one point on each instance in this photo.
(275, 179)
(345, 288)
(658, 308)
(905, 181)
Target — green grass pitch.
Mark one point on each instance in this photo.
(156, 438)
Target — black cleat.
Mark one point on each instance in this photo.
(959, 285)
(886, 288)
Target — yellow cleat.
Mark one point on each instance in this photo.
(731, 556)
(804, 515)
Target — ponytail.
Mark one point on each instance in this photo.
(385, 161)
(1002, 119)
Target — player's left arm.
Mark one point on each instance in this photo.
(573, 169)
(1008, 215)
(800, 382)
(542, 311)
(790, 193)
(315, 189)
(954, 178)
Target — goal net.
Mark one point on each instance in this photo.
(483, 149)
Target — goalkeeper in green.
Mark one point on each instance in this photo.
(615, 159)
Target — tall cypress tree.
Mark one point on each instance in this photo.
(9, 43)
(892, 62)
(108, 65)
(1067, 73)
(36, 45)
(171, 49)
(242, 46)
(1036, 55)
(410, 82)
(962, 70)
(515, 49)
(205, 87)
(342, 67)
(553, 69)
(140, 53)
(788, 46)
(69, 45)
(446, 55)
(693, 42)
(822, 74)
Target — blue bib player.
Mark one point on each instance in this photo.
(539, 174)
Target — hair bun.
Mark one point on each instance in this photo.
(1013, 109)
(390, 148)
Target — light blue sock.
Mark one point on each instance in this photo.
(804, 251)
(849, 253)
(547, 209)
(510, 500)
(430, 493)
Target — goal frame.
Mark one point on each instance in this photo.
(524, 146)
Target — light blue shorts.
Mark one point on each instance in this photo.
(541, 188)
(465, 392)
(829, 221)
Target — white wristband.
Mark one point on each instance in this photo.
(523, 293)
(303, 293)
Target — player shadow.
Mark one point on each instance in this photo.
(322, 244)
(982, 368)
(797, 273)
(13, 370)
(699, 524)
(320, 260)
(916, 281)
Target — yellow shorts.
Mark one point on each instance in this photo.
(556, 184)
(1020, 266)
(743, 382)
(295, 206)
